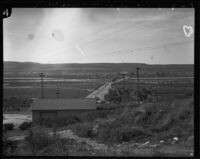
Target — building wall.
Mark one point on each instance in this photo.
(62, 114)
(37, 115)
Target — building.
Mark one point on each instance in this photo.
(60, 108)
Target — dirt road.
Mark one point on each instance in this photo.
(100, 92)
(103, 90)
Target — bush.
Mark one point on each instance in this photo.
(114, 95)
(25, 125)
(39, 138)
(130, 133)
(9, 147)
(83, 129)
(161, 119)
(114, 132)
(59, 148)
(143, 95)
(8, 126)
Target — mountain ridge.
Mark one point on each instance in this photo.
(65, 68)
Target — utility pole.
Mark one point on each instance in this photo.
(42, 86)
(123, 75)
(138, 82)
(57, 92)
(123, 96)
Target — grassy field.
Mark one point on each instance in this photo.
(160, 87)
(73, 89)
(48, 92)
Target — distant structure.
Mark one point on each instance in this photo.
(55, 109)
(42, 86)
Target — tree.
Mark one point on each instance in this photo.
(118, 95)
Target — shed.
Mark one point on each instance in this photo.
(60, 108)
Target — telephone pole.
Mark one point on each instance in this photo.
(42, 86)
(138, 82)
(123, 75)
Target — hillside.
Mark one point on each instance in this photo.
(16, 68)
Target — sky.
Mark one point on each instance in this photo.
(97, 35)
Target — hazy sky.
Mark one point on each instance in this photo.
(83, 35)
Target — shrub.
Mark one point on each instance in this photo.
(59, 148)
(8, 126)
(143, 95)
(83, 129)
(9, 147)
(39, 138)
(114, 96)
(25, 125)
(163, 119)
(120, 133)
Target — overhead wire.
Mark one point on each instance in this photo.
(121, 29)
(112, 26)
(165, 26)
(100, 31)
(144, 30)
(141, 48)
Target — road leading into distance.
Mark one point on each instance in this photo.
(103, 90)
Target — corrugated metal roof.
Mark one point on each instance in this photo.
(63, 104)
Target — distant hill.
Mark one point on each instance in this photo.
(17, 67)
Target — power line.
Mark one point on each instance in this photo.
(118, 24)
(121, 29)
(144, 30)
(141, 48)
(110, 26)
(129, 34)
(107, 28)
(160, 25)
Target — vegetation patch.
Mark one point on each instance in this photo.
(83, 129)
(9, 147)
(8, 126)
(25, 125)
(163, 119)
(39, 138)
